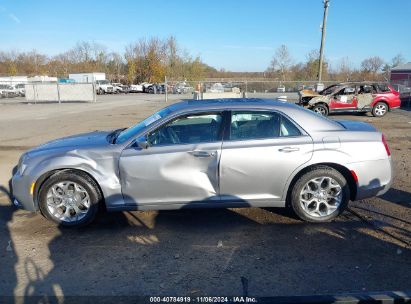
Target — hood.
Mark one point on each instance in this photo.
(308, 93)
(92, 139)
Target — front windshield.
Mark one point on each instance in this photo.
(131, 132)
(330, 89)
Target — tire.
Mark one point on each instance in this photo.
(321, 109)
(316, 207)
(100, 91)
(85, 187)
(380, 109)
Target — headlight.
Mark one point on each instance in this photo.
(22, 164)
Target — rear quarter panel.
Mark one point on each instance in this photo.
(360, 151)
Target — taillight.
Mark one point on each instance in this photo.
(395, 92)
(386, 145)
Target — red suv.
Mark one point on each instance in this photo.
(376, 98)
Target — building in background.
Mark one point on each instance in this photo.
(87, 77)
(13, 80)
(401, 78)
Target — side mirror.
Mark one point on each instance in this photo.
(142, 142)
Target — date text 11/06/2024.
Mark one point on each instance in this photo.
(203, 300)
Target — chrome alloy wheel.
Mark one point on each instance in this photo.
(380, 110)
(68, 201)
(321, 196)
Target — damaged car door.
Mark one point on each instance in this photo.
(364, 96)
(175, 164)
(344, 99)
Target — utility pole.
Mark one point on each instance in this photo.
(320, 66)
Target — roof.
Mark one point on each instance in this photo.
(230, 103)
(307, 119)
(402, 67)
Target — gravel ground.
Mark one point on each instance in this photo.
(262, 252)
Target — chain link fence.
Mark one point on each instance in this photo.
(185, 89)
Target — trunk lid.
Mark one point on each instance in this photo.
(356, 126)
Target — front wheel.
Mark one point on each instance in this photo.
(379, 109)
(321, 109)
(320, 195)
(69, 198)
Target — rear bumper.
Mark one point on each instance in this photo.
(374, 177)
(395, 104)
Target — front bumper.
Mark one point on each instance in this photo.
(21, 185)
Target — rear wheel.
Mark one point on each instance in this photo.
(380, 109)
(320, 195)
(321, 109)
(69, 198)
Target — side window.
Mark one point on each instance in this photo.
(383, 87)
(288, 128)
(201, 128)
(259, 125)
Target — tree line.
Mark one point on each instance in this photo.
(151, 59)
(145, 60)
(282, 67)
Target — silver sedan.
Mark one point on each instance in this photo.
(214, 153)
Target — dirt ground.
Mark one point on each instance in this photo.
(259, 252)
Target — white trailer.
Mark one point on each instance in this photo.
(102, 86)
(13, 80)
(87, 77)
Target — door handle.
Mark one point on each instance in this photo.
(197, 153)
(288, 149)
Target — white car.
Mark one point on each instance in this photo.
(146, 86)
(281, 89)
(7, 90)
(136, 88)
(216, 88)
(104, 87)
(117, 87)
(21, 89)
(182, 88)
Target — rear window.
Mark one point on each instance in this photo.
(250, 125)
(383, 87)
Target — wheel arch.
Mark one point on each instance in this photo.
(383, 101)
(45, 176)
(320, 102)
(340, 168)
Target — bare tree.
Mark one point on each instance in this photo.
(281, 62)
(372, 64)
(344, 69)
(397, 60)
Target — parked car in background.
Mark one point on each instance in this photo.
(215, 88)
(118, 88)
(104, 87)
(281, 89)
(213, 153)
(21, 89)
(377, 98)
(156, 88)
(7, 91)
(182, 88)
(146, 86)
(231, 87)
(136, 88)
